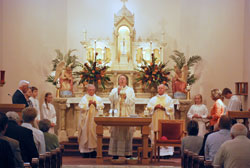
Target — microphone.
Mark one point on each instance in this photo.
(10, 95)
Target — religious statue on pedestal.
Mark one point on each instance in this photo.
(179, 82)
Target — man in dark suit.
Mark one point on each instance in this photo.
(23, 135)
(18, 97)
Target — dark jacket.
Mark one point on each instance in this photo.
(25, 138)
(6, 155)
(18, 98)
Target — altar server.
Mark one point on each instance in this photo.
(123, 101)
(48, 111)
(198, 112)
(161, 107)
(89, 104)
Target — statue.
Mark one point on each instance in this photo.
(179, 82)
(64, 74)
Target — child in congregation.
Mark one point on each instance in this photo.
(198, 112)
(35, 102)
(27, 95)
(48, 110)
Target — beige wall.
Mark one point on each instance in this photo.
(247, 50)
(33, 29)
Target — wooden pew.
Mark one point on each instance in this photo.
(190, 159)
(42, 158)
(195, 159)
(58, 158)
(35, 163)
(208, 164)
(12, 107)
(53, 158)
(62, 150)
(48, 160)
(27, 165)
(201, 161)
(184, 158)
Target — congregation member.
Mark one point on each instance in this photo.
(89, 105)
(217, 109)
(6, 155)
(18, 97)
(192, 142)
(27, 95)
(51, 140)
(216, 139)
(29, 114)
(198, 112)
(48, 110)
(123, 100)
(23, 135)
(161, 107)
(35, 102)
(234, 153)
(234, 103)
(14, 144)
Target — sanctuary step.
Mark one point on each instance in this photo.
(71, 147)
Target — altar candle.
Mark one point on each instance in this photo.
(2, 77)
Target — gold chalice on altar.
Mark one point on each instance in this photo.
(146, 112)
(100, 111)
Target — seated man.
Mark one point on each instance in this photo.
(161, 107)
(235, 152)
(23, 135)
(51, 140)
(29, 115)
(14, 144)
(90, 103)
(216, 139)
(192, 142)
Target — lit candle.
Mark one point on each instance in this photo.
(2, 77)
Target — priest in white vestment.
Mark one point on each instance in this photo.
(161, 107)
(123, 101)
(89, 104)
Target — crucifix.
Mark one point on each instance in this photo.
(124, 1)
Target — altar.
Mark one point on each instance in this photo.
(124, 55)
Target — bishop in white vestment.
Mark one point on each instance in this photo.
(123, 100)
(89, 104)
(161, 107)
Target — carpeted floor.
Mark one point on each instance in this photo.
(79, 162)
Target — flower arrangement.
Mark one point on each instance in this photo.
(153, 74)
(180, 60)
(69, 60)
(94, 72)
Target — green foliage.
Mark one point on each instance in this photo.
(180, 60)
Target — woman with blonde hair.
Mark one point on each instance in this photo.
(218, 107)
(198, 112)
(48, 110)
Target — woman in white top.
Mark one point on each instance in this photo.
(48, 110)
(198, 112)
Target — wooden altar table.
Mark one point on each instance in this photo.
(123, 121)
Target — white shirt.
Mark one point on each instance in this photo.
(234, 104)
(49, 113)
(199, 109)
(35, 104)
(38, 138)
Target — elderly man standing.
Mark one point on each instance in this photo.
(235, 152)
(18, 97)
(90, 104)
(123, 100)
(161, 107)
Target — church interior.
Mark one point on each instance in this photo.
(99, 41)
